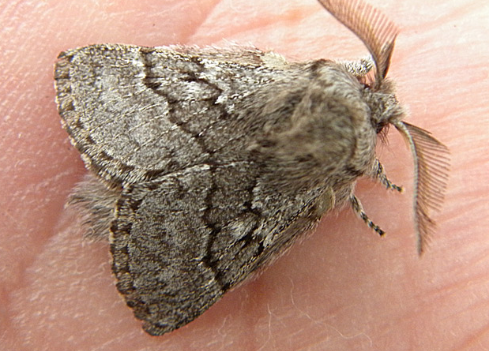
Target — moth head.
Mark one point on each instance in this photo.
(378, 34)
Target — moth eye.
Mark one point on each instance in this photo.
(382, 129)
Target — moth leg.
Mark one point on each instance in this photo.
(358, 209)
(379, 174)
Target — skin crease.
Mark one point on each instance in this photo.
(343, 288)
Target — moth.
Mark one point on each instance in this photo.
(207, 164)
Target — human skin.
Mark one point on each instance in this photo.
(343, 288)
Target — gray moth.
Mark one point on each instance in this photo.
(207, 164)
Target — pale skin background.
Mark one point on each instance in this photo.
(343, 288)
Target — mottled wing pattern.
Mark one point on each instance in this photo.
(135, 113)
(170, 271)
(196, 215)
